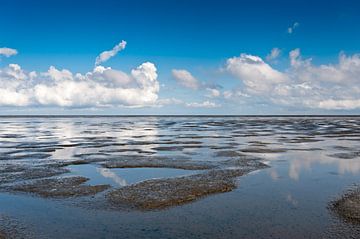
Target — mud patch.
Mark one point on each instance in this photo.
(347, 155)
(59, 187)
(225, 147)
(300, 140)
(258, 143)
(163, 193)
(15, 173)
(187, 164)
(167, 192)
(305, 149)
(348, 206)
(263, 150)
(148, 162)
(228, 153)
(169, 148)
(19, 156)
(340, 147)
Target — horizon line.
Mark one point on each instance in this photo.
(177, 115)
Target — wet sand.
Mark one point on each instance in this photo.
(348, 206)
(163, 193)
(59, 187)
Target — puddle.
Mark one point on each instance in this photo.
(120, 177)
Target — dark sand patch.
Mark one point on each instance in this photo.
(163, 193)
(82, 160)
(340, 147)
(179, 163)
(224, 147)
(18, 156)
(195, 146)
(347, 155)
(304, 149)
(348, 206)
(60, 187)
(228, 153)
(300, 140)
(347, 135)
(263, 150)
(114, 151)
(77, 162)
(8, 168)
(168, 148)
(15, 173)
(258, 142)
(175, 142)
(148, 162)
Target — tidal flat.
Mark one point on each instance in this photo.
(179, 177)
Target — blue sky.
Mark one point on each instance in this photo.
(196, 37)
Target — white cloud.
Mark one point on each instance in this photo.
(5, 51)
(186, 79)
(103, 86)
(274, 54)
(100, 87)
(332, 86)
(13, 86)
(293, 27)
(340, 104)
(213, 93)
(106, 55)
(205, 104)
(235, 94)
(258, 76)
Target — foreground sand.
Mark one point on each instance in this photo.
(348, 206)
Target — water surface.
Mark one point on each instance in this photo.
(312, 161)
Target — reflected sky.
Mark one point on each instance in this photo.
(307, 142)
(201, 138)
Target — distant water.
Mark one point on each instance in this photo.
(312, 161)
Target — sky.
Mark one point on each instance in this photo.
(179, 57)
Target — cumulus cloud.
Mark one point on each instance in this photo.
(186, 79)
(100, 87)
(332, 86)
(258, 76)
(7, 52)
(275, 53)
(106, 55)
(293, 27)
(205, 104)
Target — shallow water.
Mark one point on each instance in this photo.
(312, 161)
(120, 177)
